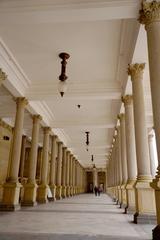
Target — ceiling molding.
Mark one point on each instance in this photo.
(62, 11)
(17, 82)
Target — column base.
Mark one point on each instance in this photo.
(71, 191)
(42, 193)
(144, 219)
(53, 191)
(10, 199)
(131, 204)
(124, 196)
(145, 202)
(59, 192)
(64, 192)
(155, 184)
(68, 191)
(30, 192)
(156, 233)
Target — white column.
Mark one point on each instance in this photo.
(95, 182)
(153, 153)
(11, 189)
(52, 182)
(130, 138)
(34, 149)
(123, 149)
(142, 149)
(150, 17)
(59, 171)
(43, 187)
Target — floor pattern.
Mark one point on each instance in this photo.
(81, 217)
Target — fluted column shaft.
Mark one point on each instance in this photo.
(64, 166)
(67, 168)
(152, 152)
(59, 164)
(22, 160)
(119, 155)
(149, 16)
(142, 150)
(34, 149)
(70, 172)
(53, 160)
(44, 174)
(17, 139)
(123, 149)
(130, 138)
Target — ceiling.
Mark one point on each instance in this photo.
(101, 37)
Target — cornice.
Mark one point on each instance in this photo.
(16, 78)
(5, 125)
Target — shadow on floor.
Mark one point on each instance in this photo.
(26, 236)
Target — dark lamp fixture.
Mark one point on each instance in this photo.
(87, 140)
(92, 158)
(94, 166)
(62, 84)
(78, 105)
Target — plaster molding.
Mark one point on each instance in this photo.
(127, 99)
(17, 82)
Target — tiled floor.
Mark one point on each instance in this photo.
(81, 217)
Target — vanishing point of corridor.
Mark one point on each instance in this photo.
(81, 217)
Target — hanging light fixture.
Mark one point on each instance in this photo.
(92, 159)
(62, 84)
(87, 140)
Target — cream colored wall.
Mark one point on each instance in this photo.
(5, 146)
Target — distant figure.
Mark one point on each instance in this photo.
(99, 191)
(95, 190)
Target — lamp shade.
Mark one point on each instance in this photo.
(62, 87)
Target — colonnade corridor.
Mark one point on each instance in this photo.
(80, 217)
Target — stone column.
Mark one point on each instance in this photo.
(67, 174)
(123, 160)
(150, 17)
(64, 172)
(43, 187)
(71, 175)
(131, 153)
(95, 183)
(74, 165)
(52, 182)
(119, 165)
(152, 153)
(76, 177)
(22, 159)
(12, 187)
(30, 189)
(144, 208)
(59, 171)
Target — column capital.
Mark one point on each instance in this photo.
(21, 100)
(121, 116)
(150, 136)
(60, 143)
(36, 118)
(127, 99)
(3, 76)
(46, 130)
(135, 70)
(150, 12)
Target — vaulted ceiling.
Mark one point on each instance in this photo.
(101, 37)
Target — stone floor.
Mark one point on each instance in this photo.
(81, 217)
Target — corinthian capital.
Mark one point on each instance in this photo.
(3, 76)
(150, 12)
(127, 100)
(135, 70)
